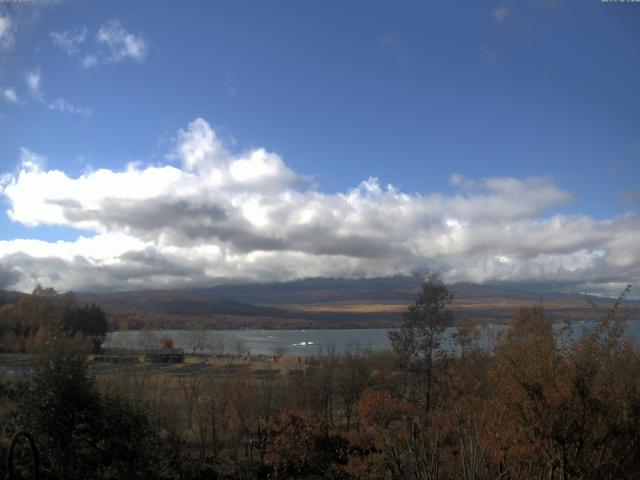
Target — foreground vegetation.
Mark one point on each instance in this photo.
(535, 406)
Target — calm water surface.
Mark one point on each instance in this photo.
(303, 342)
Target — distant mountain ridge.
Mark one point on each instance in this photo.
(396, 288)
(179, 302)
(322, 303)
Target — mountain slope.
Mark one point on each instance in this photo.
(326, 303)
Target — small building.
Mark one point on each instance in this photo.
(164, 355)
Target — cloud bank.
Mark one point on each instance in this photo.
(211, 215)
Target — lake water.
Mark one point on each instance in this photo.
(263, 342)
(299, 342)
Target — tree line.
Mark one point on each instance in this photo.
(27, 324)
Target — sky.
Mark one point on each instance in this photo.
(178, 144)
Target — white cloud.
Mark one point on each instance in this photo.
(89, 61)
(10, 95)
(31, 162)
(61, 105)
(6, 31)
(217, 215)
(489, 55)
(34, 83)
(501, 14)
(69, 41)
(203, 153)
(34, 86)
(121, 43)
(115, 44)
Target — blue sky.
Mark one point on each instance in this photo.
(544, 93)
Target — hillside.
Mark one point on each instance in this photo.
(325, 303)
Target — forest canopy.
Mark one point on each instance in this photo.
(28, 324)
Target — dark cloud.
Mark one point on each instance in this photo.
(9, 276)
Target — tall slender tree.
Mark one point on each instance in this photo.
(419, 338)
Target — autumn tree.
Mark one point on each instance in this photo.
(419, 338)
(197, 340)
(352, 378)
(217, 345)
(302, 449)
(89, 320)
(47, 310)
(524, 371)
(215, 406)
(466, 337)
(81, 434)
(567, 414)
(392, 445)
(242, 414)
(191, 388)
(148, 339)
(44, 307)
(240, 347)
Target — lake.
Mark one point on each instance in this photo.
(264, 342)
(301, 342)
